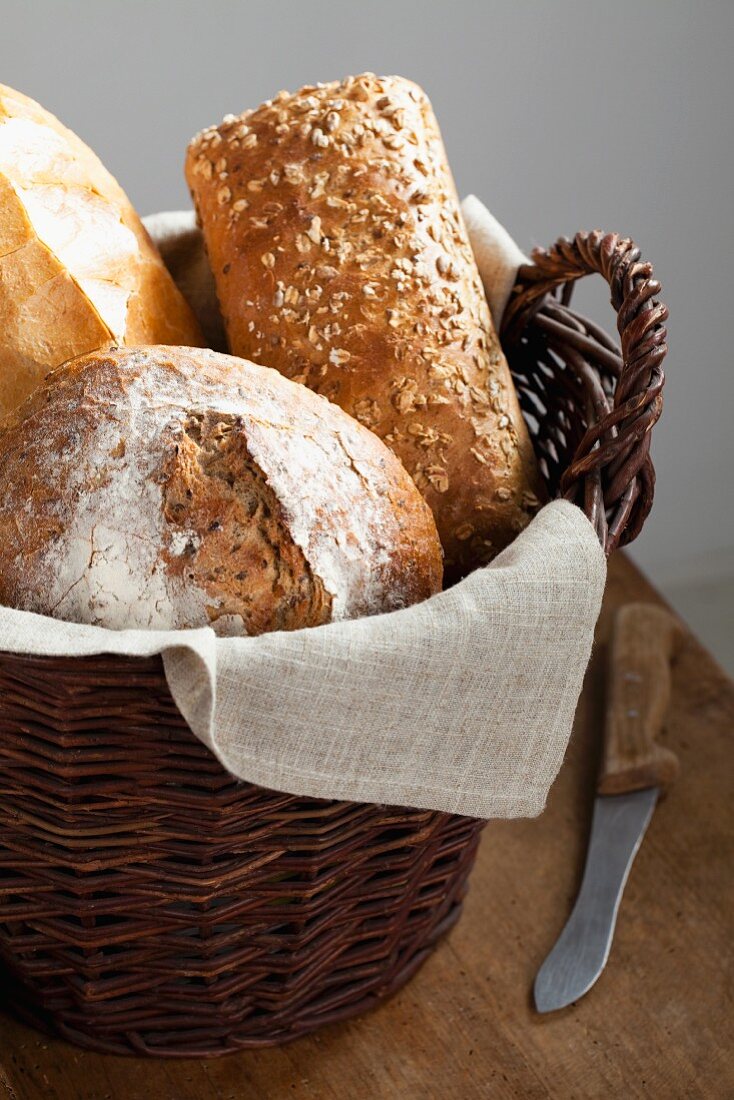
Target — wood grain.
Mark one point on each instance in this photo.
(641, 650)
(658, 1023)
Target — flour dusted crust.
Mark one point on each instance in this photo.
(172, 487)
(77, 269)
(340, 256)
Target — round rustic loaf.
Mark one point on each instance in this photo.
(175, 487)
(341, 258)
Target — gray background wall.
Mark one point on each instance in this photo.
(560, 115)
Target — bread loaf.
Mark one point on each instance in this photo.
(77, 269)
(340, 257)
(169, 487)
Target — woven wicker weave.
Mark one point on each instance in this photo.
(149, 903)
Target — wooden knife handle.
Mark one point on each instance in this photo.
(644, 640)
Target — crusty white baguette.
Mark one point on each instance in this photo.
(341, 258)
(77, 269)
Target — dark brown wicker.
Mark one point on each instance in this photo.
(592, 409)
(151, 904)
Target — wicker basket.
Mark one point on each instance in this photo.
(149, 902)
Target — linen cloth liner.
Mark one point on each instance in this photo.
(463, 703)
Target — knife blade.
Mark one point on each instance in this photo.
(635, 771)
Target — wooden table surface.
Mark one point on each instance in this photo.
(659, 1022)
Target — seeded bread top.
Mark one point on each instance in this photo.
(341, 259)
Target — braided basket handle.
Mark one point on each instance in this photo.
(565, 365)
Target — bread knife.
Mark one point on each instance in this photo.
(635, 771)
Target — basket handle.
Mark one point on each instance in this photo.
(609, 473)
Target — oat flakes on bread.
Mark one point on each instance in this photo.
(340, 256)
(173, 487)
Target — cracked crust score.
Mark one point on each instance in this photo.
(78, 271)
(340, 257)
(175, 487)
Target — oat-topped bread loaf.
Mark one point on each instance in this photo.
(169, 487)
(340, 256)
(77, 269)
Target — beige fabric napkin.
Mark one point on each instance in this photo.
(463, 703)
(497, 255)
